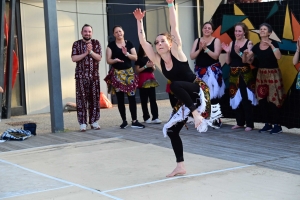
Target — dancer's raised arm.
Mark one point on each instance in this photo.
(174, 24)
(139, 15)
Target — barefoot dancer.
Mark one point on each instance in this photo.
(174, 65)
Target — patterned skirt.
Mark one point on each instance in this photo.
(122, 80)
(209, 112)
(212, 76)
(269, 85)
(147, 80)
(235, 95)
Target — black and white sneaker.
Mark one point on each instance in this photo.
(124, 125)
(217, 124)
(137, 124)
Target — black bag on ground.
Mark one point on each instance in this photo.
(30, 127)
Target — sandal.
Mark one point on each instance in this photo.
(82, 127)
(236, 127)
(248, 129)
(95, 126)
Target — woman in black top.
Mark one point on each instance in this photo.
(206, 51)
(147, 83)
(242, 80)
(121, 77)
(174, 65)
(269, 86)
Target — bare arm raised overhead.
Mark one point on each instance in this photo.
(139, 15)
(176, 43)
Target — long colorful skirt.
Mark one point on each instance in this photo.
(247, 75)
(269, 85)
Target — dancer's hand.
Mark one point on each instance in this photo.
(1, 89)
(269, 43)
(89, 47)
(169, 1)
(118, 60)
(150, 64)
(250, 45)
(138, 14)
(237, 49)
(124, 50)
(225, 47)
(203, 44)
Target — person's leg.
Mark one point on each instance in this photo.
(186, 92)
(81, 102)
(144, 103)
(176, 142)
(121, 105)
(173, 99)
(247, 112)
(275, 111)
(153, 104)
(264, 111)
(94, 101)
(132, 107)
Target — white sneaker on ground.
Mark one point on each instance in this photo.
(148, 121)
(95, 126)
(82, 127)
(156, 121)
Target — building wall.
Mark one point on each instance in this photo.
(71, 16)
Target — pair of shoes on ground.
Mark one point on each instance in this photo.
(135, 124)
(246, 129)
(217, 124)
(94, 126)
(273, 130)
(155, 121)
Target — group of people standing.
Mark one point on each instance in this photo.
(197, 92)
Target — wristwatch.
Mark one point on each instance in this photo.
(126, 54)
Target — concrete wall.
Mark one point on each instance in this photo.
(71, 16)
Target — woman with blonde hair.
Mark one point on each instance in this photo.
(241, 80)
(186, 87)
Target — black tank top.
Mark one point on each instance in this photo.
(203, 59)
(180, 71)
(235, 59)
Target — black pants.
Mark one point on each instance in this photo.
(187, 93)
(173, 100)
(145, 94)
(121, 106)
(270, 112)
(176, 141)
(244, 111)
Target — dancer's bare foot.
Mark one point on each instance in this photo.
(179, 170)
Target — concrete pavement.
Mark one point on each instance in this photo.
(132, 163)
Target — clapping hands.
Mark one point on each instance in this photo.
(225, 47)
